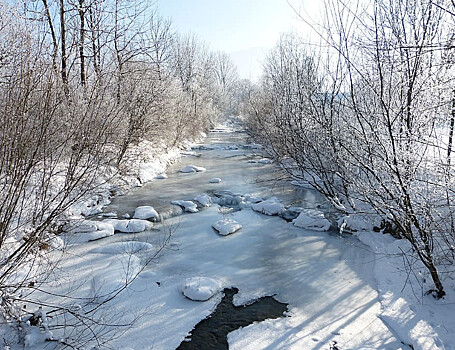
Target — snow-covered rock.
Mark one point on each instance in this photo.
(188, 206)
(192, 169)
(354, 223)
(226, 226)
(265, 161)
(229, 199)
(312, 219)
(252, 199)
(91, 230)
(215, 180)
(271, 206)
(146, 212)
(161, 176)
(201, 288)
(291, 213)
(204, 199)
(130, 226)
(108, 215)
(128, 247)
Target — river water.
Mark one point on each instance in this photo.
(326, 280)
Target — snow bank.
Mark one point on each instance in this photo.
(188, 206)
(418, 319)
(192, 169)
(128, 247)
(92, 206)
(146, 212)
(271, 206)
(130, 226)
(215, 180)
(201, 288)
(312, 219)
(226, 226)
(204, 199)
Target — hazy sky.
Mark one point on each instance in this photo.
(246, 29)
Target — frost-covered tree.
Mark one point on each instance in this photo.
(368, 125)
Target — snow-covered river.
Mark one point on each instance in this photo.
(327, 280)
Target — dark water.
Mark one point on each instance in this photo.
(211, 333)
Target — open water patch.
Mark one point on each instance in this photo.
(211, 333)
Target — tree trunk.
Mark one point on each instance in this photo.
(82, 40)
(451, 127)
(54, 38)
(63, 48)
(95, 42)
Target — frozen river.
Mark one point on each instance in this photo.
(326, 280)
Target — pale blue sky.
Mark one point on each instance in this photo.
(246, 29)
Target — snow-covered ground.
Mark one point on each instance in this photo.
(330, 282)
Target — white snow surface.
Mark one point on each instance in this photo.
(201, 288)
(226, 226)
(188, 206)
(418, 319)
(146, 212)
(130, 226)
(312, 219)
(192, 169)
(204, 199)
(271, 206)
